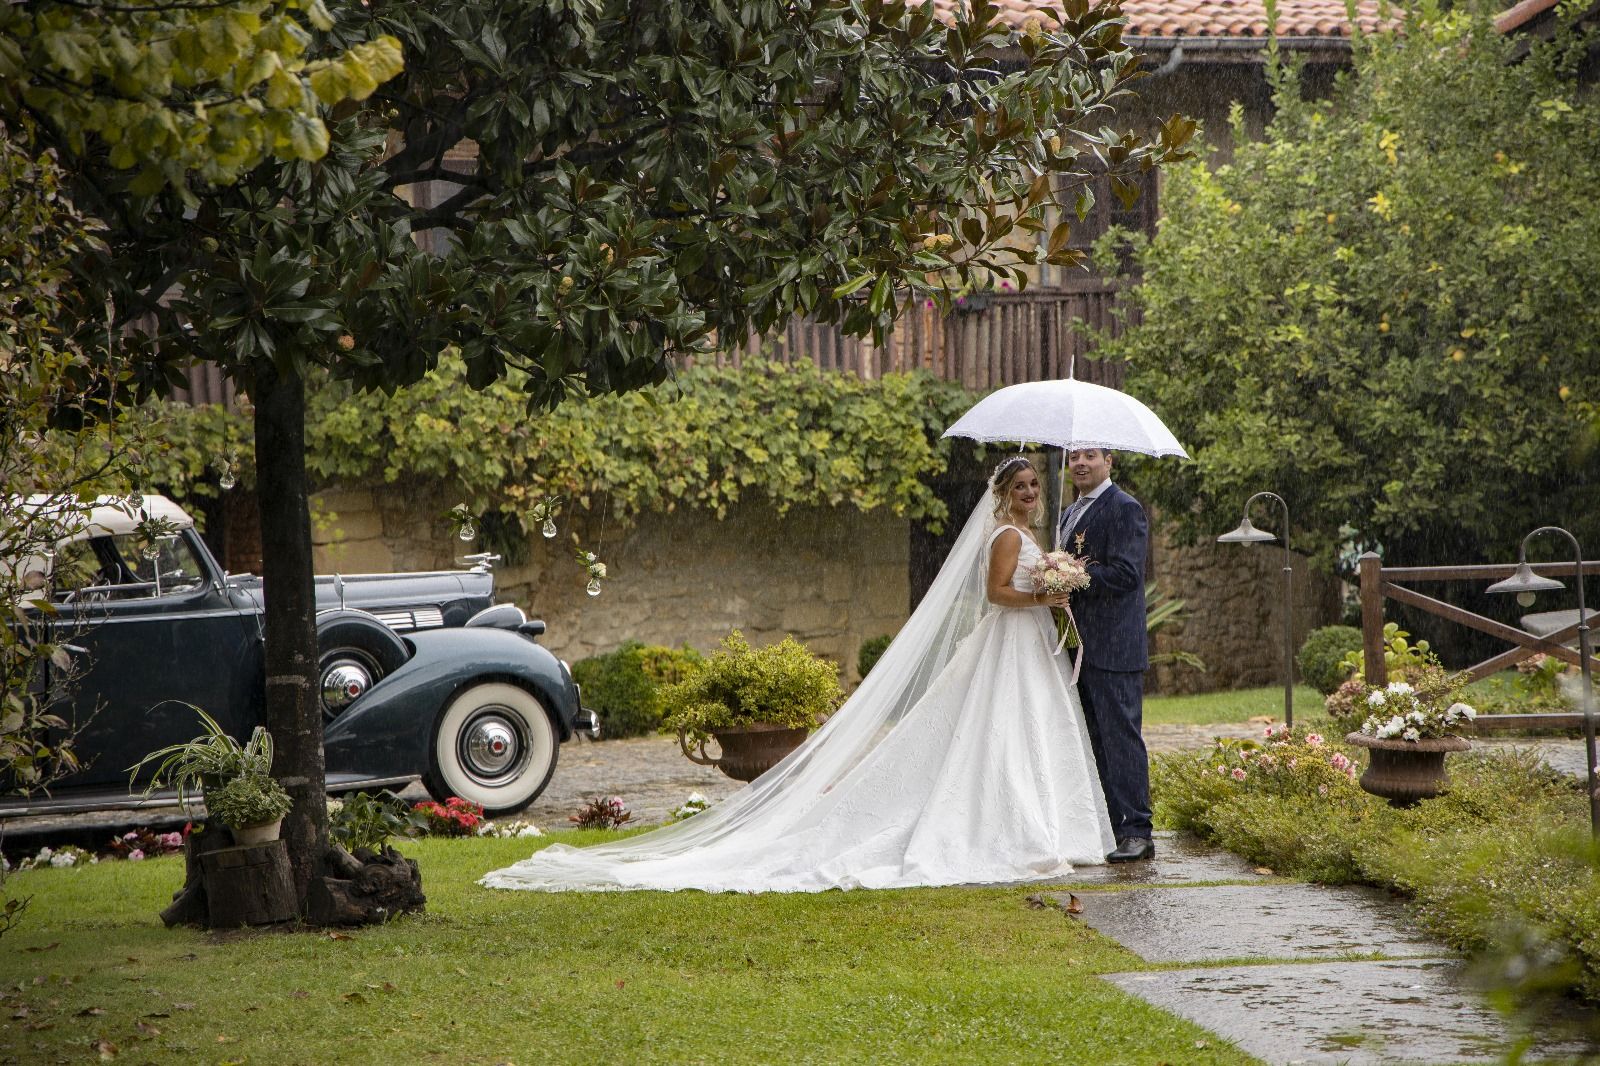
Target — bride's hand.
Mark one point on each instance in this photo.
(1056, 601)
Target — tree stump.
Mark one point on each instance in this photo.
(188, 906)
(248, 885)
(364, 888)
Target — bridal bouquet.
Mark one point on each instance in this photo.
(1057, 573)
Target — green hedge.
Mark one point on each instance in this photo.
(872, 650)
(1322, 656)
(624, 686)
(1502, 859)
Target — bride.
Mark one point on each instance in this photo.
(962, 758)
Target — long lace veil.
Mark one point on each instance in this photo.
(795, 792)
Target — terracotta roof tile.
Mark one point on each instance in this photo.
(1211, 18)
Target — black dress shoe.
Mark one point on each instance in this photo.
(1133, 849)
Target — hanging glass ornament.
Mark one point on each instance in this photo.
(468, 531)
(226, 479)
(136, 499)
(593, 587)
(548, 529)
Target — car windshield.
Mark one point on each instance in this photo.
(125, 566)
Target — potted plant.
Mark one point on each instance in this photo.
(758, 704)
(238, 776)
(252, 805)
(1409, 729)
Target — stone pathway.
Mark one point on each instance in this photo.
(1309, 1002)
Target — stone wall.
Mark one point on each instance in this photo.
(1234, 612)
(832, 578)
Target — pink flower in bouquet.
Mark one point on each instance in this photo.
(1059, 572)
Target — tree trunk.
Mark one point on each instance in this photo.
(293, 714)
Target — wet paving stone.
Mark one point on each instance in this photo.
(1181, 859)
(1270, 921)
(1349, 1013)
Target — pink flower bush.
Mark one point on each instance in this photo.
(1286, 763)
(455, 817)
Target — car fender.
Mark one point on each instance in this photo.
(389, 730)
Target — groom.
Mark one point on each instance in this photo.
(1108, 527)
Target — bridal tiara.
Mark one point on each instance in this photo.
(1007, 464)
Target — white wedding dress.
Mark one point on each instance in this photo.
(966, 761)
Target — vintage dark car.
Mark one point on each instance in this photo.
(422, 675)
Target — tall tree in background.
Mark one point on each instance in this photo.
(1383, 309)
(605, 186)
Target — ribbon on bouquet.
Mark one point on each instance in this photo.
(1071, 627)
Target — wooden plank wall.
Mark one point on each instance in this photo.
(994, 340)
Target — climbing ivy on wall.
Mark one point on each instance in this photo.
(785, 435)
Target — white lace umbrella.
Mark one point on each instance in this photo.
(1068, 414)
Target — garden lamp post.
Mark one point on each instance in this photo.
(1525, 583)
(1249, 534)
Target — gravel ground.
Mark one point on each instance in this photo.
(652, 777)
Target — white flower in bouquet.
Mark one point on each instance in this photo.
(1060, 573)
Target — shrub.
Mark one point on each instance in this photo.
(624, 686)
(785, 684)
(872, 650)
(455, 817)
(1401, 658)
(1344, 703)
(602, 812)
(1322, 656)
(367, 820)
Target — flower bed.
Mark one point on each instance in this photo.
(1502, 859)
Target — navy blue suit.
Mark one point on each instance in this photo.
(1114, 535)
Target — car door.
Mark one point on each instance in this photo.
(153, 632)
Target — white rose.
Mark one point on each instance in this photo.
(1400, 688)
(1376, 699)
(1411, 734)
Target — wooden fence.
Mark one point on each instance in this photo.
(1379, 583)
(989, 340)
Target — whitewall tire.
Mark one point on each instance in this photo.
(494, 745)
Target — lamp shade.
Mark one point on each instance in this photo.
(1525, 580)
(1246, 534)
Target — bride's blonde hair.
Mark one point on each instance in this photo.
(1004, 474)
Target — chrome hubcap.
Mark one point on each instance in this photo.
(491, 746)
(343, 682)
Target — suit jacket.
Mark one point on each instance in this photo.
(1110, 612)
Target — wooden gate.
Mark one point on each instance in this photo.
(1379, 583)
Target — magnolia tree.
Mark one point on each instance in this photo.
(571, 194)
(1382, 309)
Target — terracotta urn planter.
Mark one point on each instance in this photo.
(1406, 771)
(749, 752)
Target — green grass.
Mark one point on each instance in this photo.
(1213, 708)
(930, 975)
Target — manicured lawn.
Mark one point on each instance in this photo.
(933, 975)
(1240, 706)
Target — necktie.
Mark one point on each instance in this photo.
(1074, 513)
